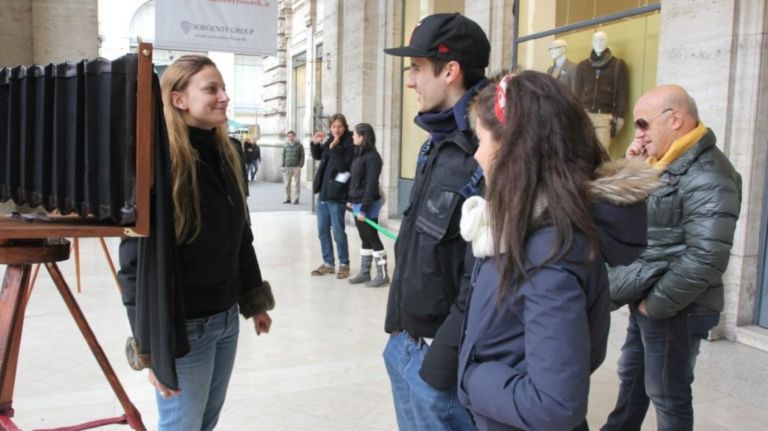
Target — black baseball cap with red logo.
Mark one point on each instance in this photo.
(449, 37)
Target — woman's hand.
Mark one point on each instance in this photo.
(161, 388)
(262, 322)
(361, 216)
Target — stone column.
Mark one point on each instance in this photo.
(64, 30)
(359, 61)
(386, 76)
(15, 32)
(333, 51)
(496, 18)
(273, 123)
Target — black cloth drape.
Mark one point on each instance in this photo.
(150, 276)
(67, 137)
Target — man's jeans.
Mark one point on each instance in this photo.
(252, 169)
(657, 363)
(330, 216)
(203, 374)
(419, 406)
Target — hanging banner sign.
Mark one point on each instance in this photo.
(239, 26)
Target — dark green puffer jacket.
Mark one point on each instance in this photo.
(691, 221)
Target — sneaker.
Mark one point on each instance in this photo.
(323, 269)
(343, 272)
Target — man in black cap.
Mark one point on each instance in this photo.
(448, 55)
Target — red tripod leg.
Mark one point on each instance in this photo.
(13, 301)
(132, 414)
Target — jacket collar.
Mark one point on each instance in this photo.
(681, 165)
(600, 61)
(441, 125)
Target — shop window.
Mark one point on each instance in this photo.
(632, 28)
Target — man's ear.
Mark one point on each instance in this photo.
(678, 119)
(178, 100)
(452, 71)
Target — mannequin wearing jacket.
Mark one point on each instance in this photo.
(602, 86)
(562, 69)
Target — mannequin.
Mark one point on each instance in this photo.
(602, 86)
(562, 69)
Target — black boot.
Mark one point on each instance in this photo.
(366, 259)
(382, 278)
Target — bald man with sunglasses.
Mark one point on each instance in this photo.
(675, 289)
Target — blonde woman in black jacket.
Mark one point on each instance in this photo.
(219, 272)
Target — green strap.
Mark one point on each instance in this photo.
(376, 226)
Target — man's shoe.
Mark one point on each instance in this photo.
(322, 270)
(343, 272)
(296, 202)
(287, 201)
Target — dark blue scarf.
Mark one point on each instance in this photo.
(441, 125)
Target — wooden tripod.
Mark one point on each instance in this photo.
(20, 255)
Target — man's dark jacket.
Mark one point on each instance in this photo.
(332, 162)
(429, 286)
(691, 222)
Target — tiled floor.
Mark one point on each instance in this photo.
(319, 369)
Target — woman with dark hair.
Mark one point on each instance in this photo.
(555, 212)
(365, 200)
(332, 184)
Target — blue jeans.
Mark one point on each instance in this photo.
(203, 374)
(251, 169)
(419, 406)
(656, 364)
(330, 216)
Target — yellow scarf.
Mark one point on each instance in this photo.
(680, 146)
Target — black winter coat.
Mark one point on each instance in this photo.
(332, 162)
(427, 296)
(691, 223)
(218, 268)
(364, 184)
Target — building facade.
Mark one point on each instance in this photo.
(43, 31)
(334, 62)
(330, 59)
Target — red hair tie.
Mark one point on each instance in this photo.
(500, 104)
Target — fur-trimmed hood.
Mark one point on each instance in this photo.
(619, 211)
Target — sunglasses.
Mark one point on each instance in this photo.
(643, 124)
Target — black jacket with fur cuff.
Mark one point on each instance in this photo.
(256, 300)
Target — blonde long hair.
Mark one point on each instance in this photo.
(186, 193)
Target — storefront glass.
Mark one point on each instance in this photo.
(634, 39)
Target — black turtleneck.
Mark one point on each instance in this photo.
(204, 141)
